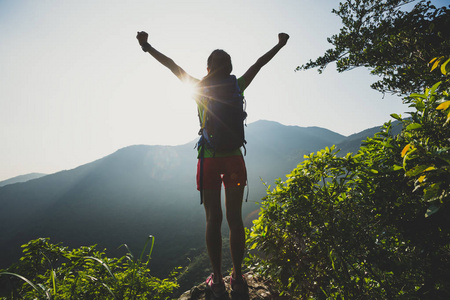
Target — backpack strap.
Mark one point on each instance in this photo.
(246, 197)
(202, 158)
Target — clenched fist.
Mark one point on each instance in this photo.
(283, 38)
(142, 37)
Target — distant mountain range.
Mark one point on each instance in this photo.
(146, 190)
(21, 178)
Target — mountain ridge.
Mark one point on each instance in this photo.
(21, 178)
(140, 190)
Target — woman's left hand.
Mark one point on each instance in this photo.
(142, 37)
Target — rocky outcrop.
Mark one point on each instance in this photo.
(259, 289)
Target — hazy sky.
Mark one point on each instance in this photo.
(75, 86)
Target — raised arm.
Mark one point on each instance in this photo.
(142, 37)
(263, 60)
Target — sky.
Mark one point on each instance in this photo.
(75, 85)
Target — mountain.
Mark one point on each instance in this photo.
(21, 178)
(353, 142)
(144, 190)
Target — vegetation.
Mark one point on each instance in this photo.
(373, 225)
(393, 41)
(49, 271)
(370, 225)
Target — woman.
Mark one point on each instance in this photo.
(220, 167)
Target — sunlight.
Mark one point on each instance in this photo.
(188, 89)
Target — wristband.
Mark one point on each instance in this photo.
(146, 47)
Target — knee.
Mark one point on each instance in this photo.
(234, 221)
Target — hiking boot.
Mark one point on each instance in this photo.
(239, 286)
(218, 289)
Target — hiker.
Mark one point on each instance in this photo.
(215, 166)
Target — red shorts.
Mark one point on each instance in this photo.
(229, 170)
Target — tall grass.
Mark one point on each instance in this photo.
(49, 271)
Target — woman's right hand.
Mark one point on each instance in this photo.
(142, 37)
(283, 38)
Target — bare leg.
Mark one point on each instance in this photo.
(213, 210)
(233, 204)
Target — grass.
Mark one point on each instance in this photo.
(49, 271)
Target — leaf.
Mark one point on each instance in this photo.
(430, 169)
(53, 277)
(434, 87)
(109, 290)
(24, 279)
(129, 251)
(421, 178)
(443, 105)
(397, 117)
(413, 126)
(444, 67)
(436, 63)
(418, 96)
(405, 149)
(419, 169)
(151, 248)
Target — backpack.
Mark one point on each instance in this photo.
(222, 123)
(222, 120)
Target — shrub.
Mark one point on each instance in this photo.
(49, 271)
(373, 225)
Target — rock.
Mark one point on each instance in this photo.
(259, 289)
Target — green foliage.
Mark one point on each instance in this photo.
(426, 157)
(49, 271)
(373, 225)
(394, 42)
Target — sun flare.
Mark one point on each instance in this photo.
(188, 89)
